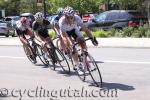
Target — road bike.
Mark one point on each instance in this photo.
(55, 57)
(88, 66)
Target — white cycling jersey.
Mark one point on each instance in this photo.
(22, 27)
(64, 26)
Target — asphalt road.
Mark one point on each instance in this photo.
(125, 73)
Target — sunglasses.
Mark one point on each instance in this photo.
(69, 17)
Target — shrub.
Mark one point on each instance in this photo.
(148, 33)
(142, 31)
(100, 33)
(127, 31)
(136, 34)
(111, 32)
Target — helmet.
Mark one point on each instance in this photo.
(39, 16)
(60, 11)
(23, 20)
(69, 11)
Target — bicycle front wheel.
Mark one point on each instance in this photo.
(41, 55)
(61, 60)
(93, 70)
(29, 53)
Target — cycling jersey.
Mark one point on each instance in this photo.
(41, 29)
(71, 29)
(22, 29)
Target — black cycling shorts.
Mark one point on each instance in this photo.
(43, 33)
(72, 33)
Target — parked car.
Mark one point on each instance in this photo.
(13, 20)
(6, 30)
(86, 17)
(117, 19)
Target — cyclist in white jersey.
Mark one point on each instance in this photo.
(69, 27)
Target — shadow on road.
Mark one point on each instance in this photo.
(99, 61)
(119, 86)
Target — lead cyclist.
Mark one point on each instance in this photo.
(69, 28)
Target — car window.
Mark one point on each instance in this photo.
(123, 15)
(16, 18)
(2, 24)
(112, 16)
(135, 13)
(101, 17)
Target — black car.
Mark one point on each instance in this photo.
(117, 19)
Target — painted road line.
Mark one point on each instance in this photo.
(104, 61)
(13, 57)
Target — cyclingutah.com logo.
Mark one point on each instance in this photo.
(58, 94)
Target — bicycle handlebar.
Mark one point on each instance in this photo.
(78, 42)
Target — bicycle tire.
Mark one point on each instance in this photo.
(94, 72)
(61, 59)
(32, 57)
(70, 59)
(82, 77)
(41, 54)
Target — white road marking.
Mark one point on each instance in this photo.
(13, 57)
(126, 62)
(105, 61)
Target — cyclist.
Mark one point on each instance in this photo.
(39, 27)
(55, 26)
(23, 30)
(69, 26)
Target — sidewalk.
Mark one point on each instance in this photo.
(103, 42)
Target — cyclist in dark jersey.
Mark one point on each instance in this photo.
(39, 27)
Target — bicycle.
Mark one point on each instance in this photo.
(67, 53)
(55, 56)
(29, 51)
(88, 66)
(36, 50)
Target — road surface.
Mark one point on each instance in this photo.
(125, 73)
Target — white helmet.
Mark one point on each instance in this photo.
(69, 11)
(39, 16)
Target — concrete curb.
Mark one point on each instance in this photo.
(103, 42)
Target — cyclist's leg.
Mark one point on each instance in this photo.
(23, 39)
(80, 39)
(73, 34)
(30, 32)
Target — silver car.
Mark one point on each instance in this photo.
(5, 30)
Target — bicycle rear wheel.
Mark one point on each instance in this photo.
(93, 70)
(29, 53)
(61, 60)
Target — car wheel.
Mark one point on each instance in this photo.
(7, 34)
(13, 33)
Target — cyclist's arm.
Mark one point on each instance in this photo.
(87, 31)
(55, 27)
(83, 27)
